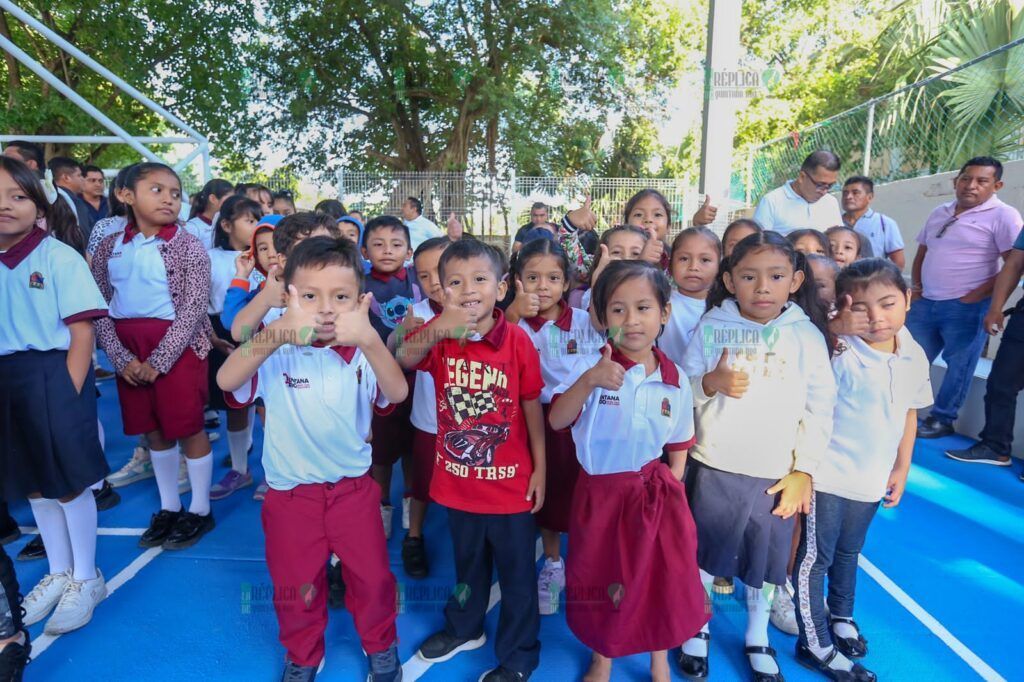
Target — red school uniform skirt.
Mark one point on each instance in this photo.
(391, 433)
(563, 469)
(173, 404)
(632, 584)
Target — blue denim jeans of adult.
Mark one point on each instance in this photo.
(954, 329)
(833, 535)
(1005, 381)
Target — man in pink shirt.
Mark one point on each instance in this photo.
(953, 274)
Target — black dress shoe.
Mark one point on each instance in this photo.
(414, 557)
(188, 530)
(106, 497)
(33, 550)
(851, 647)
(758, 675)
(9, 531)
(13, 659)
(160, 526)
(808, 660)
(694, 667)
(930, 427)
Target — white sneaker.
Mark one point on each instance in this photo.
(44, 596)
(550, 584)
(783, 615)
(76, 605)
(386, 512)
(138, 468)
(184, 485)
(406, 501)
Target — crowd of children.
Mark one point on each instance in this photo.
(712, 409)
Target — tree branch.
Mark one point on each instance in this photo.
(13, 67)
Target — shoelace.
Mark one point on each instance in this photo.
(72, 595)
(37, 592)
(296, 673)
(384, 660)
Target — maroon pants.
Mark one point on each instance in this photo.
(303, 526)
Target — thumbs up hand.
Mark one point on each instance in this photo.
(353, 328)
(723, 379)
(526, 305)
(706, 214)
(583, 218)
(607, 373)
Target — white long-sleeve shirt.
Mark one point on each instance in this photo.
(784, 421)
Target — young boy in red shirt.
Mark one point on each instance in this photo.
(489, 466)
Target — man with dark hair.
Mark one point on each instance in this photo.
(539, 217)
(952, 279)
(420, 228)
(94, 185)
(880, 230)
(28, 153)
(67, 176)
(805, 202)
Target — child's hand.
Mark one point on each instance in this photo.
(454, 227)
(223, 346)
(849, 322)
(455, 321)
(706, 214)
(273, 289)
(583, 218)
(353, 328)
(894, 488)
(796, 494)
(602, 262)
(535, 490)
(244, 264)
(723, 379)
(526, 305)
(301, 327)
(607, 373)
(147, 373)
(411, 322)
(653, 249)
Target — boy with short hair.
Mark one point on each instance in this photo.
(322, 370)
(489, 422)
(393, 285)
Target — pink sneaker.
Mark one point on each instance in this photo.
(231, 482)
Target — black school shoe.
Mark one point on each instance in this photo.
(694, 667)
(106, 497)
(503, 674)
(9, 531)
(851, 647)
(807, 659)
(160, 525)
(188, 530)
(758, 675)
(930, 427)
(35, 549)
(414, 557)
(13, 659)
(441, 646)
(335, 587)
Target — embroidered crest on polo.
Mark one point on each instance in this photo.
(36, 281)
(666, 407)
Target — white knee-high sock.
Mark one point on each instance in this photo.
(53, 529)
(695, 646)
(759, 606)
(251, 416)
(165, 468)
(238, 446)
(80, 517)
(200, 475)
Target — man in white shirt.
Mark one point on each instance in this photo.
(805, 202)
(420, 229)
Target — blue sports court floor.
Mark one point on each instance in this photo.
(940, 594)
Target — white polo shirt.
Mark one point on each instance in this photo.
(783, 210)
(876, 390)
(424, 399)
(686, 314)
(319, 405)
(222, 273)
(568, 346)
(45, 285)
(138, 276)
(420, 230)
(620, 431)
(202, 230)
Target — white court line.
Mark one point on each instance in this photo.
(43, 643)
(928, 620)
(416, 667)
(128, 532)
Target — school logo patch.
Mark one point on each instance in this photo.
(666, 408)
(295, 382)
(36, 281)
(570, 348)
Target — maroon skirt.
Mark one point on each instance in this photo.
(632, 584)
(562, 471)
(391, 433)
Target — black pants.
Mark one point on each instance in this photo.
(507, 542)
(10, 609)
(1005, 381)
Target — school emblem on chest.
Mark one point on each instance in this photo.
(35, 281)
(666, 408)
(570, 348)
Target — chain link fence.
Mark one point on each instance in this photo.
(931, 126)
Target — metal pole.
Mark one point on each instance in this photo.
(341, 184)
(97, 139)
(868, 140)
(57, 40)
(188, 159)
(750, 176)
(63, 89)
(207, 175)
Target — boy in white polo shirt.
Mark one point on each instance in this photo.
(882, 379)
(321, 369)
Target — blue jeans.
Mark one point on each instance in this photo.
(833, 535)
(954, 329)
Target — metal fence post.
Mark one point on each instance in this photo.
(341, 184)
(869, 137)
